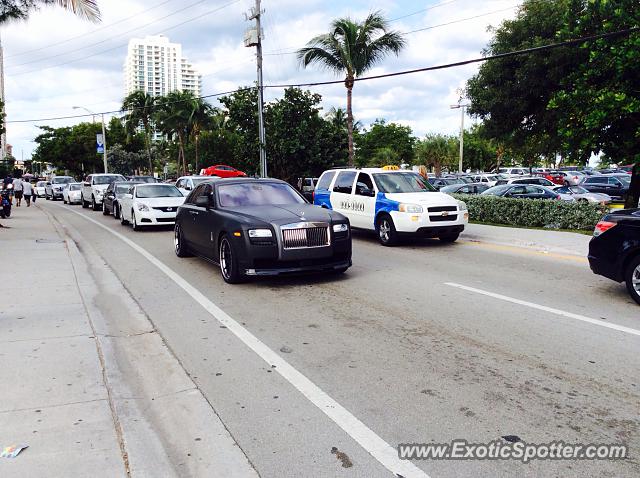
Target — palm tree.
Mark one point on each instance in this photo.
(20, 9)
(199, 119)
(140, 107)
(352, 48)
(172, 117)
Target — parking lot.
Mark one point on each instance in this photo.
(425, 342)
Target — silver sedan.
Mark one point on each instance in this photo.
(581, 194)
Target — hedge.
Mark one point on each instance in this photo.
(545, 213)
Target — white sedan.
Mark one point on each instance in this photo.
(150, 205)
(39, 190)
(71, 193)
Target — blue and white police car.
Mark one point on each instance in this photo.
(391, 203)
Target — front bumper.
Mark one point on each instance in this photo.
(155, 218)
(271, 259)
(74, 198)
(56, 194)
(437, 222)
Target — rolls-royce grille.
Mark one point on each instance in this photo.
(301, 237)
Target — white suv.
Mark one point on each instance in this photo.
(93, 189)
(391, 203)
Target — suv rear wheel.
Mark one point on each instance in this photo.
(632, 278)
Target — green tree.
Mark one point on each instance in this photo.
(300, 141)
(511, 94)
(20, 9)
(352, 48)
(437, 151)
(199, 119)
(125, 162)
(70, 149)
(384, 136)
(139, 107)
(172, 117)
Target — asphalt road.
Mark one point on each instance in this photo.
(420, 343)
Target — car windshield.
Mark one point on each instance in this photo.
(61, 180)
(450, 189)
(257, 194)
(626, 179)
(40, 184)
(106, 179)
(496, 190)
(402, 183)
(75, 187)
(197, 181)
(158, 191)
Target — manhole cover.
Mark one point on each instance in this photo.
(49, 241)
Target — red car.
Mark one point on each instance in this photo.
(223, 171)
(555, 177)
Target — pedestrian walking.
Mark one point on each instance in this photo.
(34, 195)
(18, 187)
(27, 192)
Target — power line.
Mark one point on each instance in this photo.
(423, 10)
(576, 41)
(92, 32)
(125, 44)
(461, 20)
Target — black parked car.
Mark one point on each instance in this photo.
(439, 183)
(471, 188)
(522, 191)
(615, 185)
(255, 227)
(614, 250)
(113, 194)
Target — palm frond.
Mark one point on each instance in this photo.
(86, 9)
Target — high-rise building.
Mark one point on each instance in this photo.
(156, 66)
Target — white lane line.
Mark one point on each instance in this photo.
(570, 315)
(367, 438)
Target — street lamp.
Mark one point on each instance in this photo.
(462, 107)
(104, 135)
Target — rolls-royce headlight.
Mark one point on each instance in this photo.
(340, 228)
(411, 208)
(256, 233)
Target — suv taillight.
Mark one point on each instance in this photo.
(603, 226)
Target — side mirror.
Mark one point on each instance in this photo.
(187, 187)
(205, 201)
(48, 183)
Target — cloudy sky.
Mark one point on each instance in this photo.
(55, 61)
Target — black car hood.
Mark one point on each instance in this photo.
(288, 213)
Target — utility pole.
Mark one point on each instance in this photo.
(253, 37)
(462, 107)
(3, 137)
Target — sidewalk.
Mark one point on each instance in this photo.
(92, 390)
(541, 240)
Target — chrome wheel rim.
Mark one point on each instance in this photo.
(385, 229)
(225, 258)
(635, 279)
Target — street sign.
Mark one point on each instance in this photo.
(99, 143)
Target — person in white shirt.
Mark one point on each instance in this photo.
(17, 190)
(27, 192)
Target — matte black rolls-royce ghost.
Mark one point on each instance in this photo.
(254, 227)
